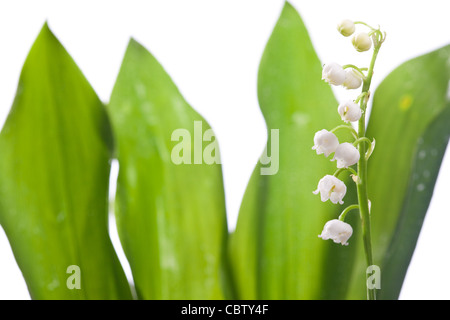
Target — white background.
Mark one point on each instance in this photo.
(211, 49)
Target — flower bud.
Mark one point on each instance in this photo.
(338, 231)
(346, 27)
(333, 73)
(349, 111)
(362, 42)
(346, 155)
(331, 188)
(353, 79)
(325, 142)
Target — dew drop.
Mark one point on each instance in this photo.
(301, 119)
(140, 90)
(420, 187)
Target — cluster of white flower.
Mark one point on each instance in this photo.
(325, 142)
(345, 153)
(360, 41)
(330, 187)
(335, 74)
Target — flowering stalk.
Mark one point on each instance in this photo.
(348, 154)
(361, 185)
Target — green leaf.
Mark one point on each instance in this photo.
(411, 123)
(171, 215)
(54, 167)
(275, 250)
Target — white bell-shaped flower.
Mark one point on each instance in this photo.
(333, 73)
(331, 188)
(325, 142)
(338, 231)
(346, 155)
(353, 79)
(346, 27)
(349, 111)
(362, 42)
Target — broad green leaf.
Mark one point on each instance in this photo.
(411, 124)
(275, 250)
(170, 205)
(55, 149)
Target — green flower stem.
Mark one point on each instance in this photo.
(363, 23)
(362, 95)
(346, 210)
(362, 139)
(359, 70)
(338, 171)
(346, 127)
(361, 185)
(377, 32)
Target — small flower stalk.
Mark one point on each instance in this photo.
(350, 153)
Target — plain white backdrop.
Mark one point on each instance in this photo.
(211, 49)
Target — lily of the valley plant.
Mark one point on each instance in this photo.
(357, 152)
